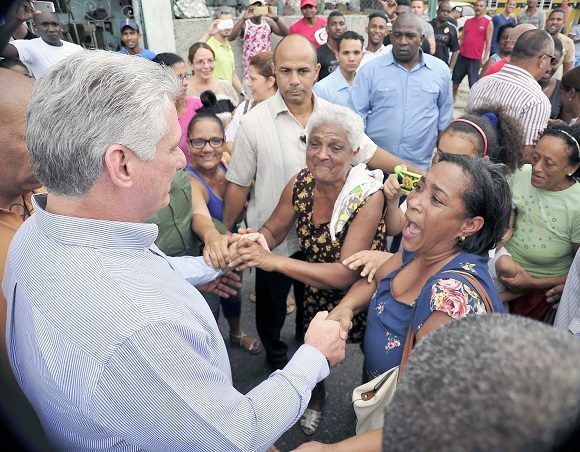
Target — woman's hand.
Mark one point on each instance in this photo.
(555, 293)
(215, 250)
(392, 190)
(372, 261)
(521, 282)
(250, 234)
(247, 253)
(344, 315)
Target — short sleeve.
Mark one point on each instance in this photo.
(24, 50)
(243, 165)
(234, 125)
(455, 298)
(366, 151)
(428, 30)
(570, 51)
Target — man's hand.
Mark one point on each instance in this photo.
(215, 250)
(390, 7)
(225, 286)
(327, 337)
(21, 11)
(555, 293)
(213, 29)
(372, 261)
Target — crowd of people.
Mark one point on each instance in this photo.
(128, 222)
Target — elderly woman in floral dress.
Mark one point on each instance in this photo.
(338, 211)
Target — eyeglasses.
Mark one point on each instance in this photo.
(200, 62)
(553, 59)
(214, 142)
(184, 76)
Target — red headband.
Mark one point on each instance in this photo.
(476, 127)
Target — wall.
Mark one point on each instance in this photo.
(187, 31)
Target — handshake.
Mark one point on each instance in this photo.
(244, 249)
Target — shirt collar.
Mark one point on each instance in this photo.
(278, 105)
(91, 233)
(516, 69)
(341, 82)
(390, 59)
(219, 43)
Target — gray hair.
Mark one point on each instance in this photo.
(490, 382)
(88, 102)
(351, 123)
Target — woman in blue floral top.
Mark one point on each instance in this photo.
(456, 213)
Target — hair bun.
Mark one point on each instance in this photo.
(208, 99)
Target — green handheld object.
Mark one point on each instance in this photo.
(407, 179)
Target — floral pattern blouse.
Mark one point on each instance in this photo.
(389, 319)
(318, 246)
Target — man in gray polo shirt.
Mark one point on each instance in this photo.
(270, 147)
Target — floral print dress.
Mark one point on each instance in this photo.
(388, 319)
(318, 246)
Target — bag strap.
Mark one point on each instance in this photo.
(478, 288)
(410, 341)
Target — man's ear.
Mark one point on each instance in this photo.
(119, 164)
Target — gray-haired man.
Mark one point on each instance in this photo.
(109, 340)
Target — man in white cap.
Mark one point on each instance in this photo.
(130, 37)
(310, 26)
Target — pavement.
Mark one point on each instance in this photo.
(338, 421)
(248, 371)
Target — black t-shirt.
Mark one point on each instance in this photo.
(445, 40)
(327, 60)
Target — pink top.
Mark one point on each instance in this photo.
(316, 34)
(192, 104)
(257, 38)
(474, 37)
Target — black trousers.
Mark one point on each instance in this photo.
(271, 291)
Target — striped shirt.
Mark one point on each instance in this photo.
(520, 94)
(116, 350)
(568, 315)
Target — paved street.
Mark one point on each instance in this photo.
(249, 370)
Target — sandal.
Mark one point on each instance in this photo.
(310, 421)
(248, 343)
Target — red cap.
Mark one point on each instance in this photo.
(304, 3)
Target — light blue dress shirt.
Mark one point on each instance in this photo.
(334, 88)
(404, 110)
(116, 350)
(145, 53)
